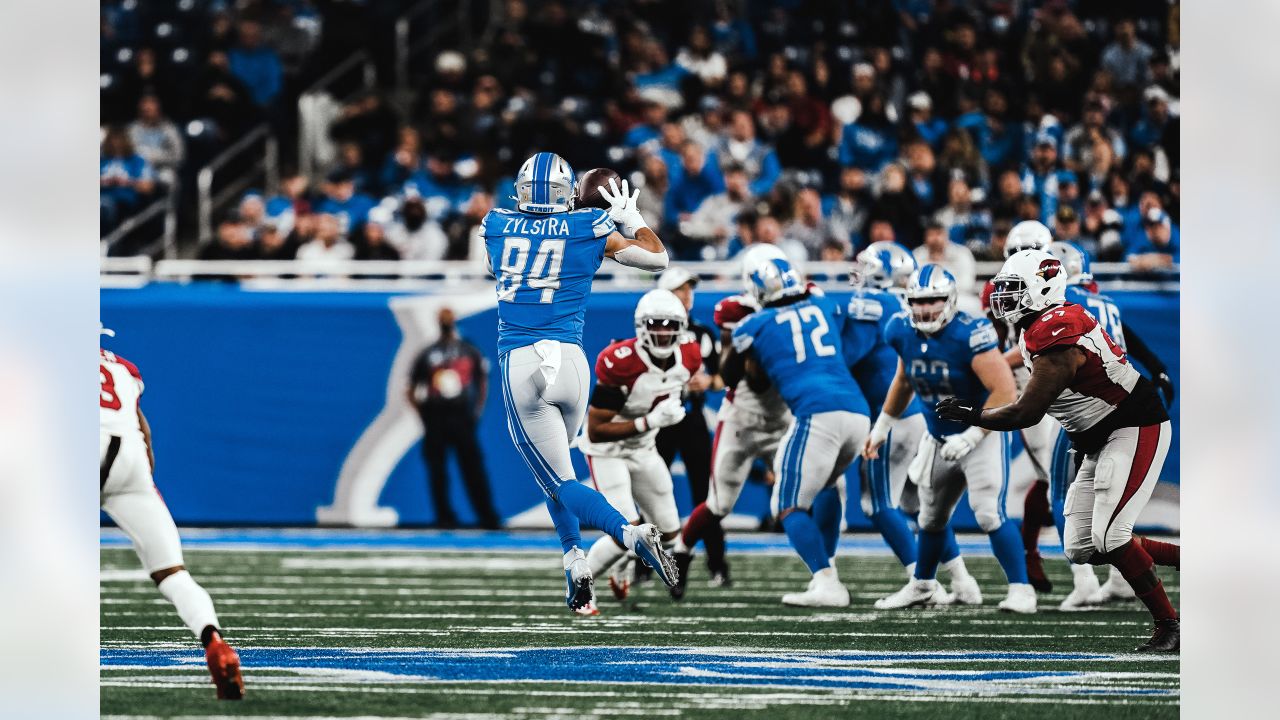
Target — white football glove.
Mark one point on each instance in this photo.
(664, 414)
(957, 446)
(623, 208)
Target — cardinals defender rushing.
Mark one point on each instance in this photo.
(794, 342)
(1112, 414)
(879, 275)
(947, 353)
(750, 425)
(130, 497)
(638, 391)
(544, 256)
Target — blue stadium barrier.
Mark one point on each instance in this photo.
(256, 398)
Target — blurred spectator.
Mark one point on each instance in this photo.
(897, 204)
(848, 209)
(697, 181)
(1008, 195)
(768, 230)
(252, 212)
(256, 64)
(157, 139)
(1156, 126)
(404, 162)
(833, 251)
(653, 115)
(923, 176)
(124, 177)
(273, 244)
(233, 241)
(739, 145)
(329, 244)
(1040, 176)
(341, 200)
(930, 129)
(700, 58)
(712, 223)
(376, 245)
(965, 222)
(1100, 228)
(415, 236)
(351, 162)
(370, 123)
(806, 226)
(440, 187)
(1159, 246)
(1069, 190)
(869, 142)
(960, 156)
(291, 202)
(657, 182)
(1067, 228)
(1127, 58)
(956, 258)
(222, 99)
(1078, 143)
(991, 249)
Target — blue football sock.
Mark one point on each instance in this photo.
(826, 512)
(893, 527)
(592, 509)
(803, 533)
(931, 545)
(1006, 542)
(950, 548)
(566, 524)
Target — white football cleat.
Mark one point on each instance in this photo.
(580, 588)
(825, 590)
(965, 590)
(1116, 588)
(1021, 599)
(1086, 593)
(916, 592)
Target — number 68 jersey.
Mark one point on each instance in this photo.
(544, 264)
(941, 365)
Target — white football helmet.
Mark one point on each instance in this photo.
(768, 274)
(883, 264)
(660, 321)
(931, 296)
(1027, 235)
(545, 184)
(1029, 282)
(1074, 260)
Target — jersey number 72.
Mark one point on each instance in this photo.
(807, 315)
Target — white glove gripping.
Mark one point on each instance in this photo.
(664, 414)
(881, 429)
(623, 207)
(957, 446)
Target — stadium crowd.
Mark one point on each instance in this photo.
(817, 126)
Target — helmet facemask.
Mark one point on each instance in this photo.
(931, 313)
(1007, 297)
(660, 336)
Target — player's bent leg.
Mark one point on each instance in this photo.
(986, 470)
(880, 498)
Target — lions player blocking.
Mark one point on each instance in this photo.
(129, 495)
(879, 275)
(639, 383)
(1111, 412)
(544, 255)
(948, 353)
(794, 342)
(750, 425)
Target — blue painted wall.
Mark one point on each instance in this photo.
(255, 398)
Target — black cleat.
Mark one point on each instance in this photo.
(683, 561)
(1165, 637)
(1035, 573)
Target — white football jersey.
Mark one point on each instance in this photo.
(624, 365)
(120, 389)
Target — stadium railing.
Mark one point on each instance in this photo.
(320, 103)
(429, 275)
(265, 166)
(165, 244)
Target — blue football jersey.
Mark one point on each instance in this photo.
(869, 311)
(799, 347)
(544, 265)
(941, 365)
(1102, 308)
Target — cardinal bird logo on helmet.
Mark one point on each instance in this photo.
(1049, 268)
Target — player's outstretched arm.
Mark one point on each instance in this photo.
(895, 403)
(644, 250)
(1050, 375)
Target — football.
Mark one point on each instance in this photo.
(589, 188)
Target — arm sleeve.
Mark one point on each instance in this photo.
(608, 397)
(1142, 353)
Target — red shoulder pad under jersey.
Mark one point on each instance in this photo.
(619, 364)
(133, 369)
(1059, 327)
(691, 356)
(731, 310)
(985, 296)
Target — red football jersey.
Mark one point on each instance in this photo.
(1100, 385)
(625, 365)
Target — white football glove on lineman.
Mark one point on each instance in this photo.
(957, 446)
(622, 207)
(664, 414)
